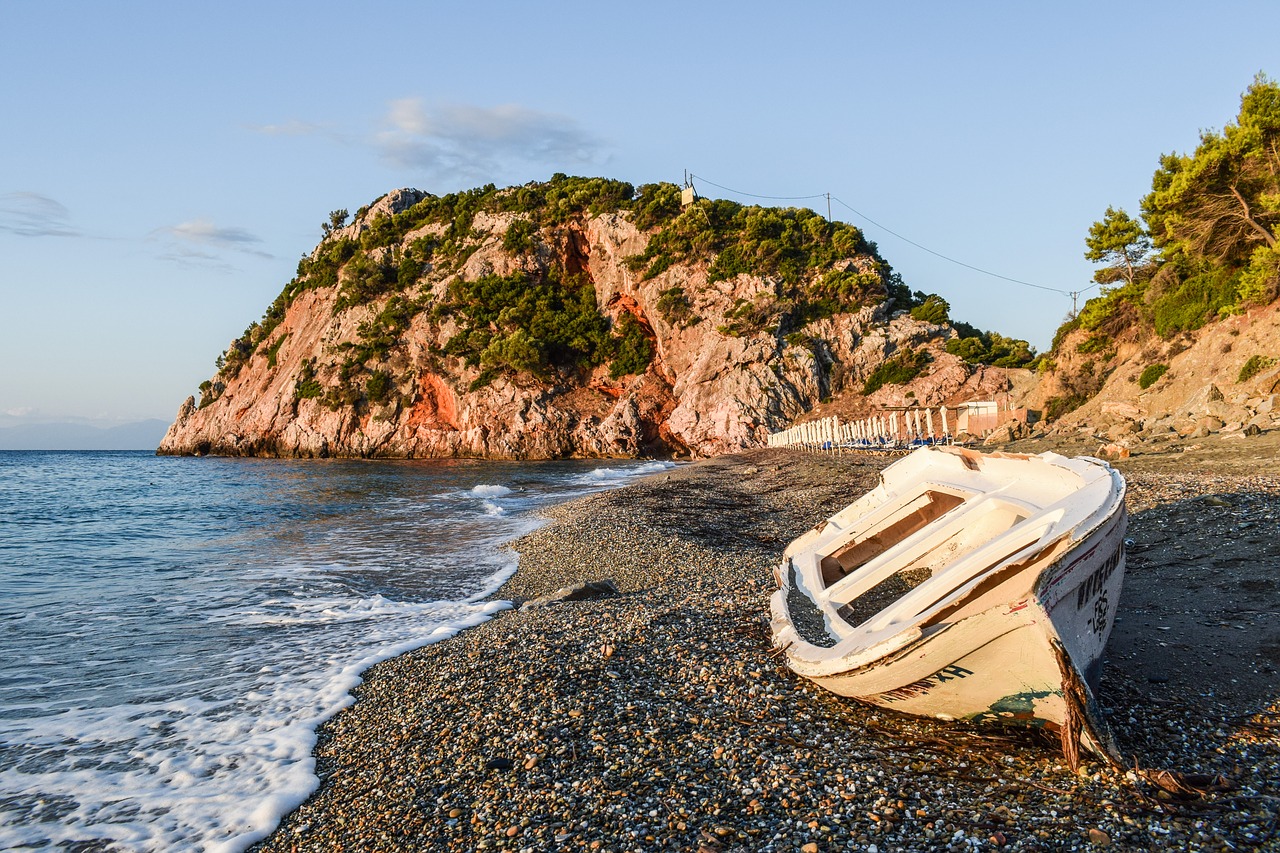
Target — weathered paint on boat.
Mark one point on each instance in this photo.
(1024, 557)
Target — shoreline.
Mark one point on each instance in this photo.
(659, 719)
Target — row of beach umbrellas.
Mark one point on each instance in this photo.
(915, 425)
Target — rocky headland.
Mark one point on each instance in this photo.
(580, 317)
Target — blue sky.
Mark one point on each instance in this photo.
(163, 166)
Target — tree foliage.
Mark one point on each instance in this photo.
(1255, 365)
(1223, 200)
(1150, 374)
(1118, 241)
(991, 348)
(522, 324)
(1212, 218)
(631, 351)
(932, 309)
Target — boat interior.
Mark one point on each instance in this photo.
(938, 555)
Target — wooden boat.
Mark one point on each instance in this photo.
(965, 586)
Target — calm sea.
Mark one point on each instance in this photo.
(173, 630)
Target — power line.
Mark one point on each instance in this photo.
(754, 195)
(949, 259)
(830, 198)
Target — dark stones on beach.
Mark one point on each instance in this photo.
(585, 591)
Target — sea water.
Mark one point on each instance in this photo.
(173, 630)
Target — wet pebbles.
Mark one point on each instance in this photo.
(659, 719)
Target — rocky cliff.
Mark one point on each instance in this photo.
(1222, 378)
(574, 318)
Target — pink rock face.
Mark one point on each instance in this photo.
(710, 388)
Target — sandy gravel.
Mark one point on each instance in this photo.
(660, 719)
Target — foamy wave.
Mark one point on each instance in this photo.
(316, 611)
(612, 476)
(203, 689)
(192, 765)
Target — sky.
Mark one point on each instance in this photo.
(163, 166)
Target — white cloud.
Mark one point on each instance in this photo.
(28, 214)
(292, 127)
(201, 242)
(472, 142)
(204, 231)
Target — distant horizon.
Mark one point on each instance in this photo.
(74, 435)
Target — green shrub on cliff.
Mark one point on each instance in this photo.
(675, 308)
(932, 309)
(274, 350)
(307, 387)
(1255, 365)
(519, 237)
(899, 370)
(631, 351)
(1151, 374)
(1056, 407)
(378, 387)
(526, 324)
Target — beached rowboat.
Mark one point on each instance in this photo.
(965, 586)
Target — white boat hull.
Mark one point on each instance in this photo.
(1025, 645)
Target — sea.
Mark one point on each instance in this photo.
(174, 630)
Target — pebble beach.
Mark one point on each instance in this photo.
(661, 719)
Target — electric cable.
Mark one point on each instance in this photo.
(755, 195)
(830, 198)
(945, 258)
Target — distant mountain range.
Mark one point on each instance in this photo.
(142, 435)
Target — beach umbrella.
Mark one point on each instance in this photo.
(928, 416)
(893, 425)
(945, 429)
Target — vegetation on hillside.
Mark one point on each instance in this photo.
(546, 323)
(519, 324)
(798, 248)
(972, 344)
(1204, 247)
(1209, 244)
(899, 370)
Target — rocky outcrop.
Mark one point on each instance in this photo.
(713, 384)
(1223, 378)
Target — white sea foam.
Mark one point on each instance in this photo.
(614, 476)
(483, 491)
(189, 765)
(168, 697)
